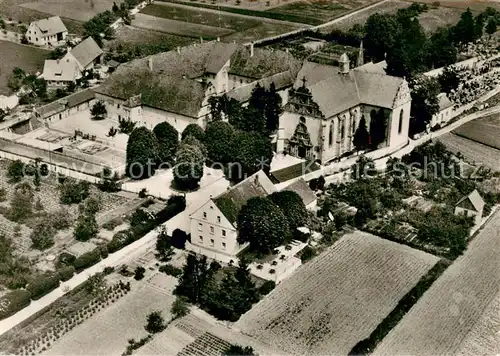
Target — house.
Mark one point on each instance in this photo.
(60, 72)
(175, 86)
(306, 194)
(66, 106)
(48, 31)
(445, 111)
(471, 205)
(86, 54)
(294, 171)
(213, 225)
(327, 103)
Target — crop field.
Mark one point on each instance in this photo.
(444, 317)
(201, 17)
(339, 298)
(175, 27)
(128, 37)
(485, 130)
(108, 332)
(80, 10)
(475, 153)
(29, 58)
(322, 10)
(478, 5)
(362, 16)
(442, 16)
(265, 29)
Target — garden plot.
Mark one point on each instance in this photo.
(339, 298)
(108, 332)
(128, 37)
(444, 317)
(265, 29)
(484, 130)
(178, 27)
(474, 152)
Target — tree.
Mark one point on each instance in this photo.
(292, 206)
(491, 26)
(43, 234)
(188, 170)
(449, 79)
(237, 350)
(361, 136)
(465, 29)
(98, 111)
(262, 224)
(96, 285)
(139, 273)
(73, 191)
(86, 227)
(363, 168)
(164, 250)
(254, 151)
(16, 79)
(381, 35)
(195, 277)
(180, 307)
(219, 142)
(273, 109)
(21, 205)
(215, 107)
(179, 238)
(142, 154)
(252, 119)
(109, 181)
(192, 141)
(440, 49)
(168, 141)
(194, 130)
(424, 104)
(114, 8)
(15, 171)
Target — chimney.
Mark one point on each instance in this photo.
(179, 49)
(256, 179)
(251, 49)
(150, 64)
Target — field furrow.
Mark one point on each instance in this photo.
(339, 298)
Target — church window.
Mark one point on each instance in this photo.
(400, 128)
(330, 135)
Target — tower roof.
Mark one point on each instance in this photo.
(344, 58)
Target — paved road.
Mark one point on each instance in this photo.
(125, 255)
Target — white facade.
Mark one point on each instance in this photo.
(35, 36)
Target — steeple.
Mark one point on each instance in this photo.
(344, 64)
(361, 59)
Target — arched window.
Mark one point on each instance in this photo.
(400, 128)
(330, 135)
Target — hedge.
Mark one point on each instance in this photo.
(267, 287)
(65, 259)
(65, 273)
(87, 259)
(43, 285)
(171, 270)
(14, 301)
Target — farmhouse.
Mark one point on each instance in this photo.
(327, 103)
(60, 72)
(48, 31)
(213, 225)
(445, 111)
(86, 54)
(471, 205)
(64, 107)
(175, 86)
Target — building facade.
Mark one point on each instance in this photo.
(326, 105)
(50, 31)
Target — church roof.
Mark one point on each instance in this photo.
(473, 201)
(335, 92)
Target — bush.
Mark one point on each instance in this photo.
(171, 270)
(65, 259)
(15, 171)
(14, 301)
(43, 285)
(108, 270)
(179, 238)
(65, 273)
(139, 273)
(111, 224)
(120, 239)
(87, 259)
(307, 253)
(267, 287)
(143, 193)
(73, 191)
(104, 252)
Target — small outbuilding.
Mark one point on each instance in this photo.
(471, 205)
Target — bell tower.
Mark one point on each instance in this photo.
(344, 64)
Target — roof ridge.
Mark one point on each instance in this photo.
(236, 185)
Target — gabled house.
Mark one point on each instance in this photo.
(471, 205)
(305, 193)
(445, 111)
(213, 226)
(48, 31)
(86, 54)
(60, 72)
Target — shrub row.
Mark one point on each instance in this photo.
(14, 301)
(171, 270)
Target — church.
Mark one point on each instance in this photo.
(326, 104)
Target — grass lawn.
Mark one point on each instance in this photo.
(80, 10)
(442, 16)
(178, 28)
(29, 58)
(200, 17)
(321, 10)
(265, 29)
